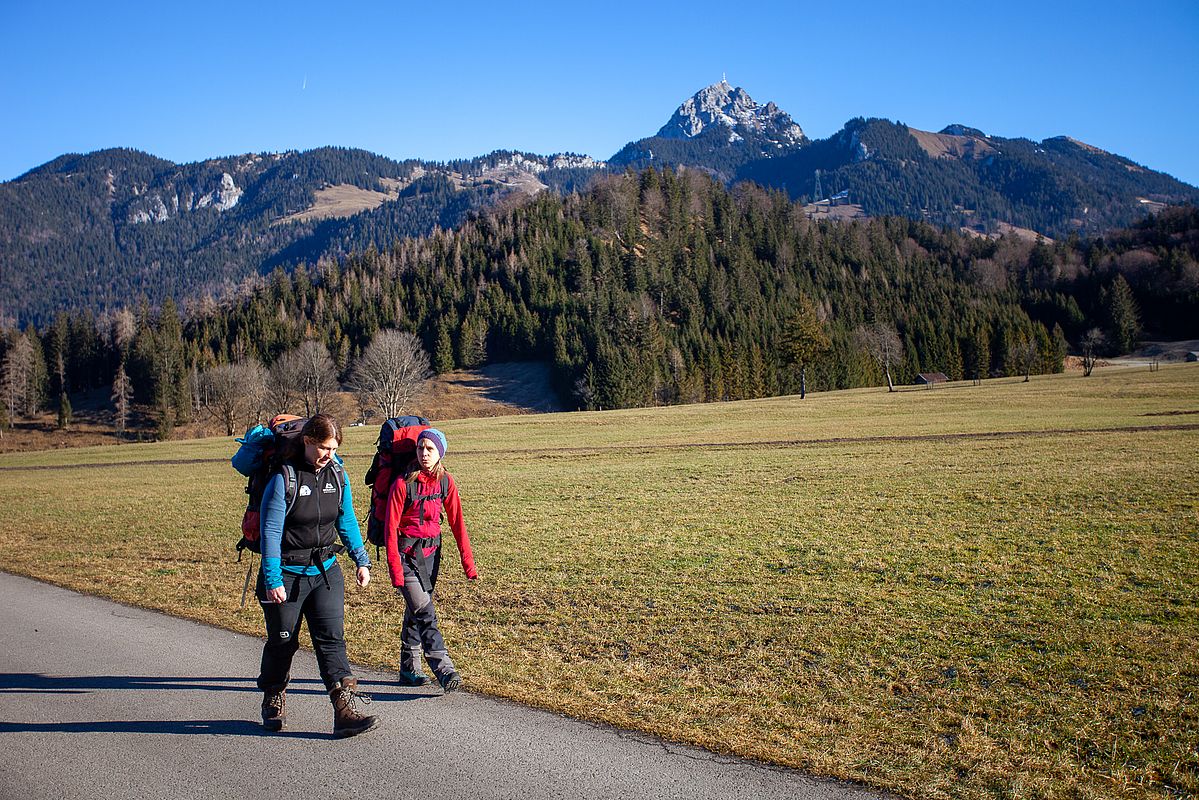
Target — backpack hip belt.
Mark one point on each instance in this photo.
(412, 548)
(311, 556)
(314, 557)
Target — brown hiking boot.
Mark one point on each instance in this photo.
(347, 719)
(274, 709)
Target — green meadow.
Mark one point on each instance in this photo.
(970, 592)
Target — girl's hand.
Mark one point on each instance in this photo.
(364, 576)
(277, 595)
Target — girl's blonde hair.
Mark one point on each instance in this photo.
(414, 468)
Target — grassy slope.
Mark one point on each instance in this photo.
(968, 616)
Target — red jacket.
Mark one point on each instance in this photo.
(401, 524)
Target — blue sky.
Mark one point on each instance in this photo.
(190, 81)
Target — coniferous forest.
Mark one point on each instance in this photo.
(661, 287)
(92, 231)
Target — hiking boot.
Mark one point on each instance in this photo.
(412, 678)
(274, 709)
(347, 719)
(450, 682)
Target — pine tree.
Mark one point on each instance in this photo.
(472, 340)
(122, 398)
(64, 412)
(443, 352)
(804, 341)
(1057, 358)
(1124, 317)
(35, 397)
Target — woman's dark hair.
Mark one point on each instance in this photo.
(322, 428)
(319, 428)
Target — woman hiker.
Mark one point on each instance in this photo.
(413, 531)
(306, 508)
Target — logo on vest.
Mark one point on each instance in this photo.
(305, 491)
(328, 489)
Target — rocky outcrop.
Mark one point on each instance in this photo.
(733, 108)
(152, 208)
(224, 198)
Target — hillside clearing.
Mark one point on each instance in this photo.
(341, 200)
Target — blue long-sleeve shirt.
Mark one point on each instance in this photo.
(273, 511)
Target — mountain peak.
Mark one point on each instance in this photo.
(731, 107)
(964, 130)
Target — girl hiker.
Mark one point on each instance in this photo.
(306, 508)
(413, 531)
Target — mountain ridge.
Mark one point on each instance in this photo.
(99, 229)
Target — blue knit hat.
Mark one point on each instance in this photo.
(436, 437)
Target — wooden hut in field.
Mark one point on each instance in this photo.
(931, 379)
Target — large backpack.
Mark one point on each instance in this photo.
(258, 458)
(395, 452)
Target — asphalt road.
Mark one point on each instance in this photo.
(99, 700)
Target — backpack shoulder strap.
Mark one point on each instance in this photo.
(339, 473)
(290, 487)
(445, 491)
(377, 463)
(411, 491)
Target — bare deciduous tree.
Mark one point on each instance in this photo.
(232, 393)
(283, 381)
(391, 371)
(20, 393)
(123, 330)
(1026, 354)
(306, 374)
(1092, 342)
(883, 344)
(319, 375)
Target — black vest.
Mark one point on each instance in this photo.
(312, 521)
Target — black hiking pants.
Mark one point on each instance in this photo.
(323, 607)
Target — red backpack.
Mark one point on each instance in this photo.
(396, 452)
(258, 458)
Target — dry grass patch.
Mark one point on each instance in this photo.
(981, 616)
(340, 200)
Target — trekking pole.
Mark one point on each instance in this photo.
(246, 588)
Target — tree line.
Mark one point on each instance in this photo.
(1057, 186)
(651, 288)
(91, 226)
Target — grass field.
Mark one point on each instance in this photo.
(967, 592)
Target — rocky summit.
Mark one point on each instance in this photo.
(733, 108)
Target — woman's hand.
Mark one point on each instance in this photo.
(364, 576)
(277, 595)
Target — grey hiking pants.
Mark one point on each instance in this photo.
(420, 631)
